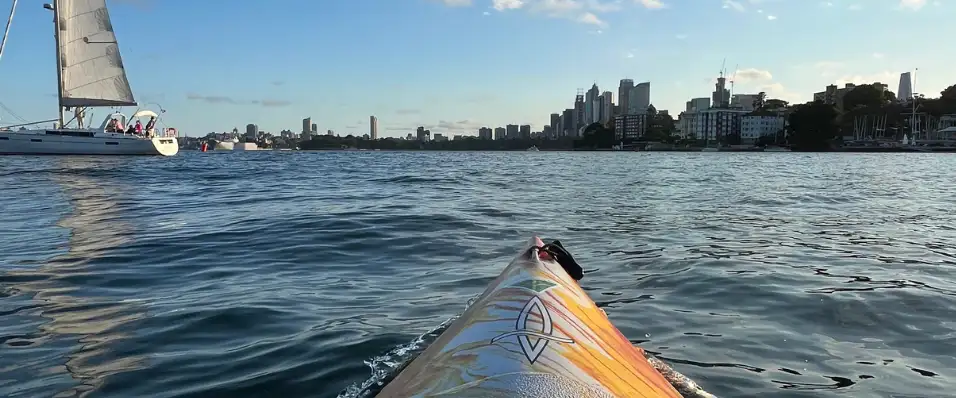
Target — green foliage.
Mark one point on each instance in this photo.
(813, 126)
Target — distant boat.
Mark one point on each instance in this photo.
(90, 74)
(226, 144)
(710, 149)
(533, 148)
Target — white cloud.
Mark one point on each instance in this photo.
(457, 3)
(752, 75)
(771, 17)
(885, 77)
(502, 5)
(591, 19)
(778, 91)
(734, 5)
(652, 4)
(912, 4)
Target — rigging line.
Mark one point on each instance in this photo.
(6, 32)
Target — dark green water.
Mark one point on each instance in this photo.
(282, 273)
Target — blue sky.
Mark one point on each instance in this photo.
(454, 65)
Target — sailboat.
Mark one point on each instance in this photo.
(90, 74)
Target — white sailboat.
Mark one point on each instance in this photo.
(90, 74)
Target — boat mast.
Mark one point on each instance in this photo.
(55, 7)
(3, 44)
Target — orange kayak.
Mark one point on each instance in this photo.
(533, 333)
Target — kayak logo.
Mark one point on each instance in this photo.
(533, 341)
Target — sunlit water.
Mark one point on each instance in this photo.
(282, 273)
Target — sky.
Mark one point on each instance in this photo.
(456, 65)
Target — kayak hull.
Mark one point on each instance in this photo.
(533, 333)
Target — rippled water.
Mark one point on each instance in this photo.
(281, 273)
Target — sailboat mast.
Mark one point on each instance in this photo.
(59, 61)
(3, 44)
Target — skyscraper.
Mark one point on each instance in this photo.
(607, 107)
(623, 95)
(591, 105)
(373, 127)
(307, 128)
(642, 97)
(905, 91)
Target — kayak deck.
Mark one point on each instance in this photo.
(533, 333)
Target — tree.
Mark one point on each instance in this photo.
(775, 104)
(866, 95)
(813, 126)
(760, 100)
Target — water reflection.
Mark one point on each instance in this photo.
(78, 317)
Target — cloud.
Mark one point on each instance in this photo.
(884, 77)
(591, 19)
(912, 4)
(456, 3)
(502, 5)
(752, 75)
(272, 103)
(217, 99)
(733, 5)
(652, 4)
(778, 91)
(771, 17)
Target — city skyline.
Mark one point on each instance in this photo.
(443, 69)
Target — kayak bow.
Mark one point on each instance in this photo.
(533, 333)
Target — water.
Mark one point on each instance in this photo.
(281, 273)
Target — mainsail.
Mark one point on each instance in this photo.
(91, 66)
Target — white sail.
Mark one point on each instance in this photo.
(92, 69)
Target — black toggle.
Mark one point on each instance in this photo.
(562, 257)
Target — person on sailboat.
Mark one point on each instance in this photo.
(150, 125)
(119, 125)
(138, 128)
(111, 126)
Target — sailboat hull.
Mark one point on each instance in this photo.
(83, 142)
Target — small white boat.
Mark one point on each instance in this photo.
(534, 148)
(90, 75)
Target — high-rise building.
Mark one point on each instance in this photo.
(578, 115)
(592, 105)
(511, 131)
(697, 104)
(251, 131)
(555, 121)
(607, 107)
(307, 129)
(905, 92)
(484, 133)
(524, 131)
(567, 123)
(373, 127)
(624, 95)
(500, 133)
(640, 99)
(721, 94)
